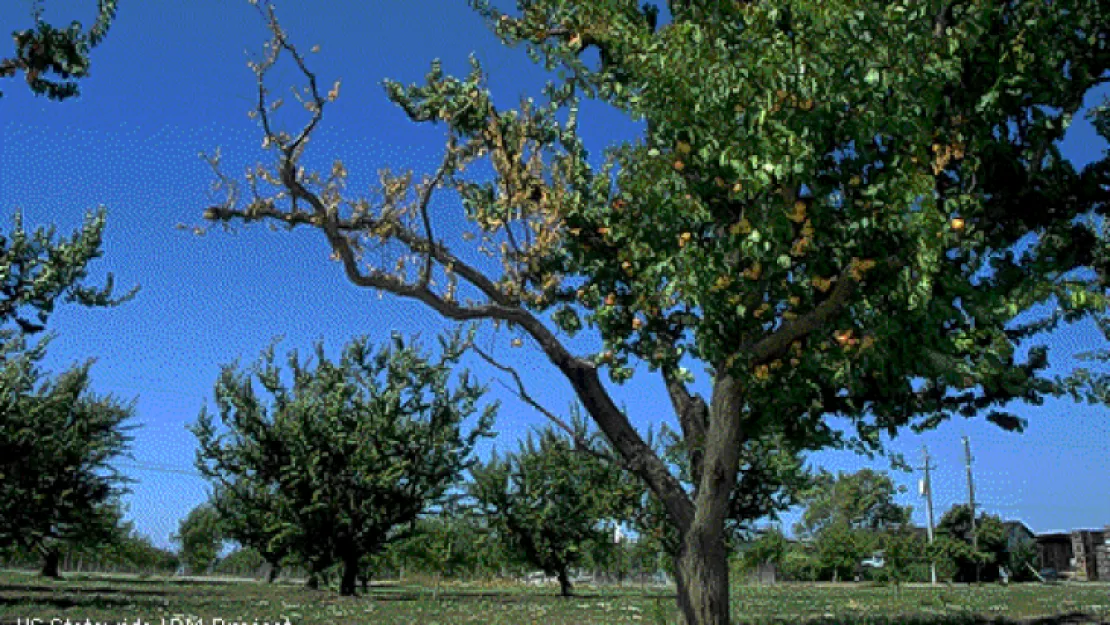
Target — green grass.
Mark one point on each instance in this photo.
(114, 599)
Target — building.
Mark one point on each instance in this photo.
(1089, 549)
(1016, 534)
(1102, 556)
(763, 574)
(1054, 551)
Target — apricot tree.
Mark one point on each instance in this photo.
(841, 209)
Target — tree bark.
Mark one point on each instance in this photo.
(701, 574)
(50, 558)
(565, 588)
(313, 582)
(350, 576)
(273, 573)
(701, 566)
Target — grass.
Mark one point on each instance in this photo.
(117, 599)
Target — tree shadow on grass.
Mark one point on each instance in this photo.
(168, 582)
(62, 603)
(393, 594)
(1070, 618)
(28, 588)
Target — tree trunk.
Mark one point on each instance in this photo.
(313, 582)
(701, 574)
(350, 576)
(50, 557)
(565, 588)
(273, 573)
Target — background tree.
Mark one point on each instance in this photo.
(367, 443)
(769, 547)
(64, 52)
(57, 443)
(249, 511)
(1022, 560)
(549, 500)
(136, 552)
(905, 556)
(839, 549)
(647, 558)
(120, 549)
(981, 564)
(453, 542)
(201, 537)
(800, 563)
(241, 561)
(827, 225)
(860, 500)
(845, 515)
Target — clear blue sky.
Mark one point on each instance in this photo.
(171, 80)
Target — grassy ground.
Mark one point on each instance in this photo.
(116, 599)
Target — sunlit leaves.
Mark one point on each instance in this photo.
(62, 52)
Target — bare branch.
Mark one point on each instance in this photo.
(522, 393)
(426, 198)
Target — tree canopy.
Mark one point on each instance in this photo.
(57, 443)
(553, 501)
(860, 500)
(989, 539)
(201, 537)
(65, 52)
(352, 450)
(37, 270)
(837, 209)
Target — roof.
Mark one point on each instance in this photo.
(1054, 537)
(1012, 525)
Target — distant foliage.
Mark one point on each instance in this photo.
(905, 557)
(453, 544)
(860, 500)
(241, 562)
(122, 549)
(975, 564)
(201, 537)
(551, 499)
(770, 547)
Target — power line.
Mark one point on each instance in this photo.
(158, 469)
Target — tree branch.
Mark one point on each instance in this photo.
(775, 344)
(582, 374)
(693, 417)
(580, 442)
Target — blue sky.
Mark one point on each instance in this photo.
(171, 81)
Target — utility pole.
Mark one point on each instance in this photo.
(971, 503)
(927, 491)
